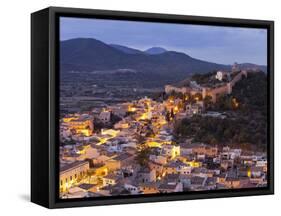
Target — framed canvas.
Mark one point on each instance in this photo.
(138, 107)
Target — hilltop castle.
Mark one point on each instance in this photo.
(213, 91)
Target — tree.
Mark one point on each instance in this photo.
(187, 97)
(196, 97)
(143, 157)
(140, 139)
(149, 132)
(172, 113)
(167, 116)
(115, 118)
(208, 101)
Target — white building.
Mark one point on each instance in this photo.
(72, 173)
(170, 150)
(105, 116)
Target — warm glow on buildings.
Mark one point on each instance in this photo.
(235, 103)
(101, 171)
(143, 116)
(110, 132)
(131, 109)
(121, 125)
(85, 132)
(80, 126)
(162, 122)
(249, 173)
(153, 144)
(68, 119)
(102, 141)
(193, 163)
(71, 174)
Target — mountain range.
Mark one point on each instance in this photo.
(88, 55)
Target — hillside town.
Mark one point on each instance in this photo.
(130, 148)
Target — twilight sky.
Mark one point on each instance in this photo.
(224, 45)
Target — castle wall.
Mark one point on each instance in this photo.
(183, 90)
(213, 92)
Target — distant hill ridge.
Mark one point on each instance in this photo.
(89, 54)
(155, 50)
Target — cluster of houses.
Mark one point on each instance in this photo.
(170, 168)
(111, 161)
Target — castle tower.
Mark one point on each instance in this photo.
(204, 93)
(229, 88)
(235, 67)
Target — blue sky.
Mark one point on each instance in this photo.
(215, 44)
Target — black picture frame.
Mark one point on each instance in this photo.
(45, 102)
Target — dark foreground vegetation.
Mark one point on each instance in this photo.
(246, 121)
